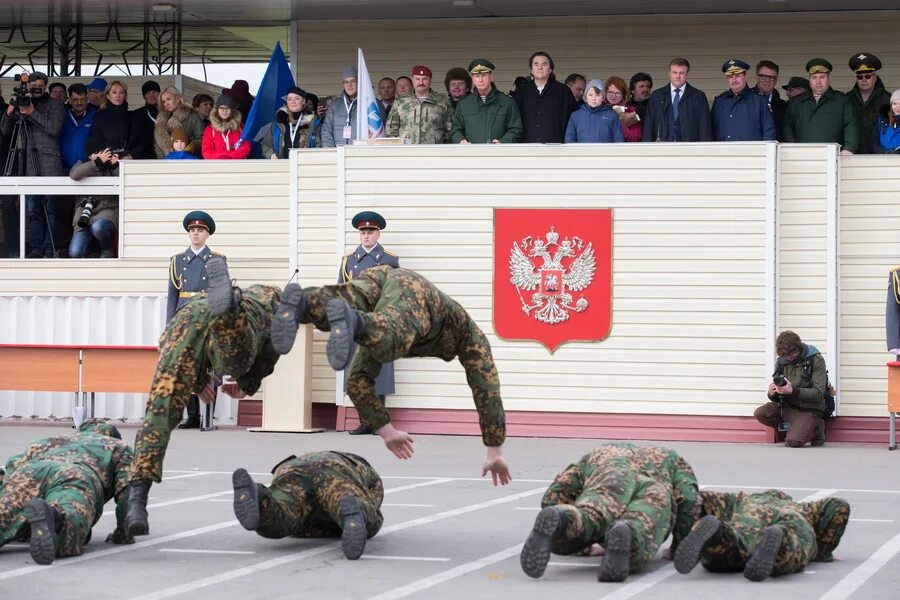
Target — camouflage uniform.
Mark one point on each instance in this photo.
(194, 341)
(652, 489)
(421, 122)
(812, 530)
(76, 473)
(303, 499)
(405, 315)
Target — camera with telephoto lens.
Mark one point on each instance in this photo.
(778, 379)
(87, 209)
(117, 152)
(21, 95)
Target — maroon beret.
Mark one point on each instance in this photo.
(421, 70)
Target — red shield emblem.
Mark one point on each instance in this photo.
(552, 275)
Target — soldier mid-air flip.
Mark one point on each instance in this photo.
(394, 313)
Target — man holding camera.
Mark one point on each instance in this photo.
(796, 393)
(36, 153)
(96, 219)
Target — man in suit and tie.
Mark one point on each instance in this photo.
(678, 112)
(188, 278)
(370, 253)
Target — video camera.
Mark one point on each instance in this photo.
(21, 95)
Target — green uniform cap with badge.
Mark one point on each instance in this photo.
(199, 218)
(818, 65)
(368, 219)
(481, 65)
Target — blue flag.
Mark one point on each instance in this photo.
(274, 86)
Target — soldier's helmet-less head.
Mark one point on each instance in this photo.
(101, 427)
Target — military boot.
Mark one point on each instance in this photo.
(45, 522)
(361, 429)
(762, 560)
(347, 326)
(221, 296)
(193, 414)
(353, 528)
(614, 564)
(246, 499)
(136, 517)
(548, 527)
(290, 312)
(708, 530)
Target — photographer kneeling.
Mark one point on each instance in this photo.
(96, 219)
(796, 393)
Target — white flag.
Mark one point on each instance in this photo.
(369, 124)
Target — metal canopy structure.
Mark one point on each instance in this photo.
(87, 37)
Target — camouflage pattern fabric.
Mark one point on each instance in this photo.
(75, 472)
(406, 316)
(236, 343)
(425, 122)
(812, 530)
(652, 489)
(303, 499)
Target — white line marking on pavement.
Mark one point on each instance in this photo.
(221, 499)
(819, 495)
(872, 520)
(186, 475)
(200, 551)
(328, 547)
(410, 505)
(592, 565)
(438, 578)
(179, 501)
(858, 576)
(641, 584)
(422, 558)
(411, 486)
(119, 549)
(527, 508)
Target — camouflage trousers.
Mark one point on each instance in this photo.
(72, 489)
(195, 341)
(304, 497)
(594, 496)
(407, 316)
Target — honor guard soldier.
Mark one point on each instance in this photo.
(370, 253)
(188, 278)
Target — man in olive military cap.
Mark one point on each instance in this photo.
(823, 115)
(487, 115)
(795, 87)
(740, 114)
(868, 96)
(370, 253)
(187, 279)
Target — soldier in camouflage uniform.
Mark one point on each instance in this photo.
(624, 497)
(320, 494)
(423, 117)
(762, 534)
(396, 313)
(226, 331)
(54, 492)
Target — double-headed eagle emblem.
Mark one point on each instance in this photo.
(552, 301)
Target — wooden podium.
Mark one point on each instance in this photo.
(287, 392)
(893, 400)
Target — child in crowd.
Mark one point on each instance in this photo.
(179, 143)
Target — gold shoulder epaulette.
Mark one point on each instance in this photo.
(386, 251)
(217, 253)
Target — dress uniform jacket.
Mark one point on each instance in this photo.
(496, 118)
(187, 278)
(745, 117)
(832, 119)
(354, 264)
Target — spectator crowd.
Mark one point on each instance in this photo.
(85, 130)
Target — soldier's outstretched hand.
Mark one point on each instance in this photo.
(398, 442)
(496, 464)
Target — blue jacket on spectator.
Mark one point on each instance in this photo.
(745, 117)
(180, 155)
(594, 125)
(73, 135)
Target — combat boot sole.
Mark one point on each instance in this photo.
(341, 342)
(762, 561)
(353, 528)
(689, 550)
(614, 564)
(219, 296)
(286, 318)
(535, 555)
(246, 499)
(43, 531)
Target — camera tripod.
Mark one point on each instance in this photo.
(22, 141)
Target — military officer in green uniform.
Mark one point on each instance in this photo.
(54, 491)
(370, 253)
(763, 534)
(320, 494)
(822, 115)
(395, 313)
(868, 96)
(486, 115)
(423, 117)
(188, 278)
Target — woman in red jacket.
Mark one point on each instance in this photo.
(617, 97)
(221, 140)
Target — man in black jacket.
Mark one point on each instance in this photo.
(678, 112)
(143, 120)
(544, 103)
(766, 78)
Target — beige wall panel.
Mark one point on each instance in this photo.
(600, 46)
